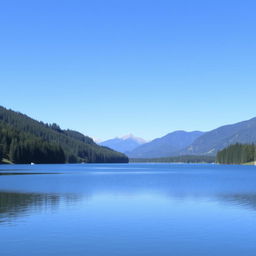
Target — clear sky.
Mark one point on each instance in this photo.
(108, 68)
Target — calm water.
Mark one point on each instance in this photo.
(133, 209)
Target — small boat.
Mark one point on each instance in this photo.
(32, 163)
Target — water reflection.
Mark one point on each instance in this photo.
(14, 205)
(139, 210)
(241, 200)
(22, 192)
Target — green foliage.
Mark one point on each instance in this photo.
(72, 159)
(176, 159)
(36, 152)
(237, 154)
(24, 140)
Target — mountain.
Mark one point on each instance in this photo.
(124, 144)
(165, 146)
(211, 142)
(25, 140)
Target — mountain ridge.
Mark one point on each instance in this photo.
(165, 146)
(123, 144)
(217, 139)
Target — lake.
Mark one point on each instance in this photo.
(127, 209)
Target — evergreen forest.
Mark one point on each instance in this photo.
(24, 140)
(237, 154)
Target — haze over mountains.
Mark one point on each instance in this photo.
(213, 141)
(180, 143)
(25, 140)
(169, 145)
(124, 144)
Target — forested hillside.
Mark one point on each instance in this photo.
(25, 140)
(237, 154)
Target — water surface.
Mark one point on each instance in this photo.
(127, 209)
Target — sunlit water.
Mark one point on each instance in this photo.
(133, 209)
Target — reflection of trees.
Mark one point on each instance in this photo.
(49, 192)
(13, 205)
(245, 200)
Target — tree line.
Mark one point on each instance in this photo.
(237, 154)
(176, 159)
(25, 140)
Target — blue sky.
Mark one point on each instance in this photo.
(108, 68)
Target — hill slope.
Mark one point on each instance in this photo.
(211, 142)
(25, 140)
(124, 144)
(165, 146)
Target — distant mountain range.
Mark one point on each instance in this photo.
(213, 141)
(124, 144)
(25, 140)
(182, 143)
(169, 145)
